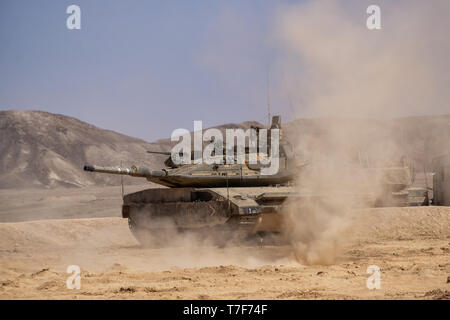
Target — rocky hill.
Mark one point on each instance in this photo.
(40, 149)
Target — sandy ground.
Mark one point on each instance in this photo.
(410, 245)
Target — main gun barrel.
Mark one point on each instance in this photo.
(134, 171)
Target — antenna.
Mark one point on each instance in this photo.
(228, 194)
(286, 88)
(268, 97)
(121, 179)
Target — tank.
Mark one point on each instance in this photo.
(395, 187)
(221, 202)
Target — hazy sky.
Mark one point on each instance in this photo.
(145, 68)
(142, 68)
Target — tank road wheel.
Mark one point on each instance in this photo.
(229, 234)
(263, 238)
(151, 238)
(132, 225)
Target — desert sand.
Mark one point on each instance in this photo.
(44, 231)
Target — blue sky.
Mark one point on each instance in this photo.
(147, 67)
(142, 68)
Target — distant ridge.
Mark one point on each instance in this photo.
(41, 149)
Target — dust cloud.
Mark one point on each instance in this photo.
(335, 66)
(337, 69)
(189, 248)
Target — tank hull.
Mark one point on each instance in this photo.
(157, 216)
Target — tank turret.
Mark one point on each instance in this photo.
(203, 175)
(246, 174)
(211, 199)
